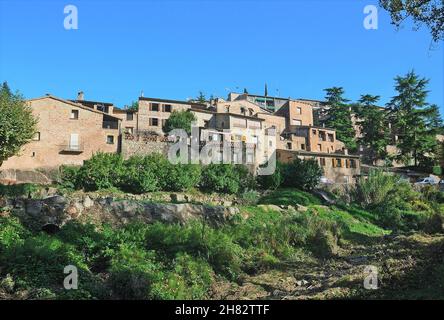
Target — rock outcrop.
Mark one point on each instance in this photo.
(59, 209)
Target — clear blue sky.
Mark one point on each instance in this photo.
(174, 49)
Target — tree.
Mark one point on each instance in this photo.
(179, 120)
(416, 122)
(17, 124)
(201, 97)
(302, 174)
(375, 133)
(422, 12)
(134, 107)
(339, 116)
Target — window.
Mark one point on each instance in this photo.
(242, 110)
(289, 145)
(322, 161)
(154, 122)
(270, 143)
(338, 163)
(297, 122)
(154, 107)
(129, 130)
(74, 114)
(129, 116)
(110, 139)
(298, 110)
(331, 137)
(250, 158)
(314, 132)
(319, 147)
(302, 146)
(206, 123)
(36, 136)
(166, 108)
(352, 163)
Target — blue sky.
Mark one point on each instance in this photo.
(174, 49)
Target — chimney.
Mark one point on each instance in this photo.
(80, 95)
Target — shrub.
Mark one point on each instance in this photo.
(250, 197)
(139, 176)
(302, 174)
(12, 233)
(70, 177)
(18, 190)
(103, 170)
(273, 181)
(182, 177)
(226, 178)
(179, 120)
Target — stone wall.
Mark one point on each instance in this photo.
(139, 144)
(58, 210)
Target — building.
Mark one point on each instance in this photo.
(68, 133)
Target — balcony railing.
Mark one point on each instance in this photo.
(72, 148)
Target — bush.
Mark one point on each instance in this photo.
(183, 177)
(139, 175)
(18, 190)
(12, 233)
(273, 181)
(226, 178)
(250, 197)
(70, 177)
(179, 120)
(302, 174)
(102, 171)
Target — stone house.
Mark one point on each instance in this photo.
(67, 134)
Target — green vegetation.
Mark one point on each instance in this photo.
(154, 173)
(17, 124)
(179, 120)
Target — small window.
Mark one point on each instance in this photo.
(270, 143)
(154, 122)
(206, 123)
(110, 139)
(297, 122)
(129, 130)
(302, 146)
(74, 115)
(298, 110)
(36, 136)
(322, 161)
(338, 163)
(166, 108)
(154, 107)
(314, 132)
(319, 147)
(352, 163)
(331, 137)
(129, 116)
(289, 145)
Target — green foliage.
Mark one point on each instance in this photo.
(183, 177)
(250, 197)
(339, 116)
(272, 181)
(70, 177)
(17, 124)
(422, 12)
(437, 170)
(179, 120)
(302, 174)
(18, 190)
(225, 178)
(415, 121)
(139, 175)
(291, 197)
(103, 170)
(375, 133)
(12, 233)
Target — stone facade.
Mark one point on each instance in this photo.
(67, 133)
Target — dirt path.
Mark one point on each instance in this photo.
(410, 267)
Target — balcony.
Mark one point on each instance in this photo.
(110, 125)
(72, 148)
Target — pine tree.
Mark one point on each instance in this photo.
(374, 128)
(339, 116)
(416, 122)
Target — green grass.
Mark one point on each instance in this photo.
(290, 197)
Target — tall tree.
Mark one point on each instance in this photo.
(201, 97)
(422, 12)
(375, 135)
(17, 124)
(416, 122)
(339, 116)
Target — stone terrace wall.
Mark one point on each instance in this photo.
(140, 144)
